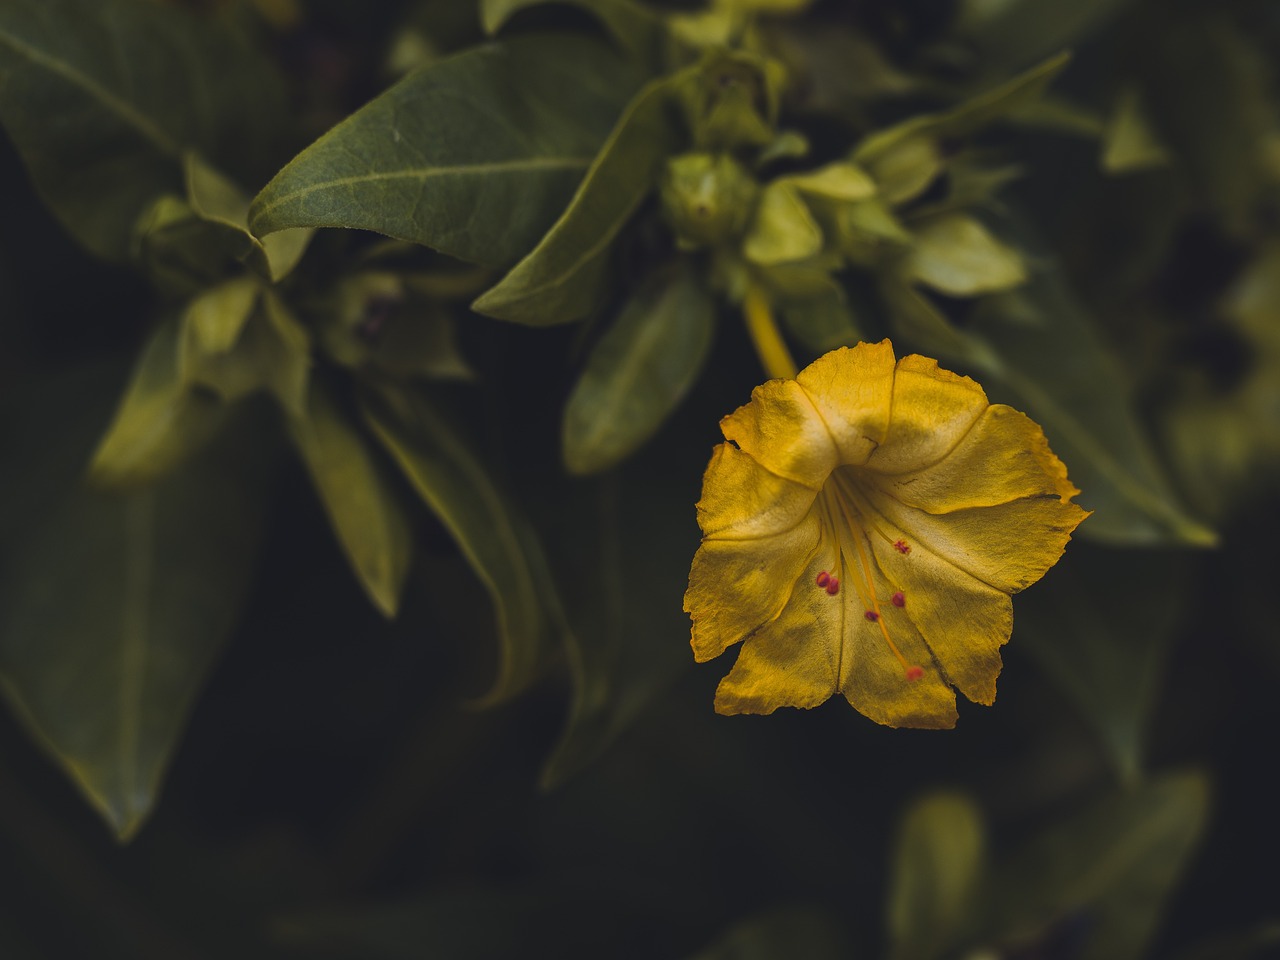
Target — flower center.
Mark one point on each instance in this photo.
(850, 527)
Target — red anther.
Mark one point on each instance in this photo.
(902, 547)
(872, 616)
(915, 673)
(833, 586)
(899, 599)
(823, 578)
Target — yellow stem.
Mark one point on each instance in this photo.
(766, 337)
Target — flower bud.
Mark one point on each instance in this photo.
(707, 198)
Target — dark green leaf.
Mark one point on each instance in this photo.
(563, 278)
(468, 923)
(112, 610)
(937, 876)
(100, 98)
(494, 538)
(392, 323)
(1100, 626)
(184, 253)
(906, 157)
(1212, 97)
(636, 29)
(622, 573)
(362, 505)
(473, 155)
(217, 200)
(1254, 944)
(1060, 372)
(1011, 32)
(781, 934)
(823, 321)
(919, 320)
(731, 99)
(639, 371)
(1113, 866)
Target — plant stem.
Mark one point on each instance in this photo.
(765, 336)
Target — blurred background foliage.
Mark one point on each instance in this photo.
(359, 365)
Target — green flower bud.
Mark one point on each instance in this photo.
(707, 198)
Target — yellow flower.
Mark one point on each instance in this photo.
(864, 528)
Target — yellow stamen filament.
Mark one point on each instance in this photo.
(859, 534)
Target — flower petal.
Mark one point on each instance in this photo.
(737, 585)
(821, 642)
(932, 411)
(782, 430)
(964, 621)
(1008, 546)
(1003, 457)
(873, 680)
(852, 388)
(741, 500)
(794, 659)
(791, 662)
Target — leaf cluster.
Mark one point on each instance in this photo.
(359, 368)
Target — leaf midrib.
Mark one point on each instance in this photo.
(126, 111)
(626, 376)
(427, 173)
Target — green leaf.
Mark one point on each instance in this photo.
(917, 318)
(1213, 99)
(636, 29)
(1129, 143)
(786, 932)
(100, 96)
(392, 323)
(183, 253)
(272, 350)
(821, 321)
(1226, 444)
(114, 607)
(903, 169)
(563, 277)
(473, 155)
(220, 202)
(492, 535)
(906, 157)
(214, 321)
(1116, 863)
(1100, 627)
(1060, 372)
(639, 371)
(621, 572)
(159, 421)
(783, 229)
(1011, 32)
(957, 255)
(869, 230)
(937, 876)
(731, 98)
(361, 502)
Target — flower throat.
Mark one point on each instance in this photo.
(842, 514)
